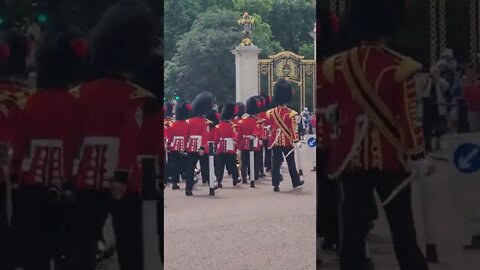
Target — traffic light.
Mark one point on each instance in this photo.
(42, 18)
(177, 98)
(2, 20)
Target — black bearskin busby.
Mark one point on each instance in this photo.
(61, 57)
(327, 28)
(168, 109)
(14, 50)
(202, 104)
(371, 19)
(213, 117)
(228, 111)
(220, 109)
(282, 92)
(123, 38)
(149, 77)
(182, 111)
(240, 109)
(253, 105)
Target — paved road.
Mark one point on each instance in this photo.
(242, 228)
(447, 228)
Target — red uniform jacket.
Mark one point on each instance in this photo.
(212, 133)
(283, 126)
(178, 135)
(390, 75)
(225, 138)
(5, 104)
(198, 128)
(150, 147)
(111, 116)
(46, 139)
(248, 129)
(265, 125)
(18, 96)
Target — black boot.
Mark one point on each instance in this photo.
(236, 181)
(188, 193)
(219, 185)
(175, 186)
(276, 189)
(299, 184)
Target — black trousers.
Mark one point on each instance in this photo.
(204, 168)
(193, 159)
(245, 156)
(126, 217)
(6, 241)
(259, 163)
(40, 229)
(226, 160)
(328, 209)
(267, 156)
(176, 161)
(277, 159)
(358, 190)
(91, 211)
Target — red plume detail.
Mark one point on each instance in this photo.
(4, 52)
(334, 22)
(80, 47)
(189, 107)
(270, 99)
(259, 104)
(217, 115)
(264, 102)
(164, 109)
(235, 111)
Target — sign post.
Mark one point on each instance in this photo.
(464, 165)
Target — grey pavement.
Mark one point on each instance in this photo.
(447, 229)
(242, 228)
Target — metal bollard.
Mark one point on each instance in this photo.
(211, 169)
(252, 165)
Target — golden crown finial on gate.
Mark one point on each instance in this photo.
(247, 23)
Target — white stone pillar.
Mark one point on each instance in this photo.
(246, 71)
(313, 34)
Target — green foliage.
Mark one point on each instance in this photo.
(204, 61)
(291, 22)
(307, 50)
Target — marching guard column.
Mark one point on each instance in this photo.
(246, 71)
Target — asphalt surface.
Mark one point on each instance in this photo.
(242, 228)
(447, 230)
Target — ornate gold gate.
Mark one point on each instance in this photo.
(296, 69)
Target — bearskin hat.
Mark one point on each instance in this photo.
(61, 56)
(182, 111)
(282, 92)
(168, 109)
(202, 104)
(240, 109)
(268, 101)
(220, 109)
(371, 19)
(213, 116)
(228, 111)
(253, 105)
(14, 50)
(327, 27)
(124, 37)
(150, 75)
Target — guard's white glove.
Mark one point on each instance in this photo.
(298, 145)
(421, 167)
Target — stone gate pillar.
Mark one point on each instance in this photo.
(246, 71)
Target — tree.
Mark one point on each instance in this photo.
(291, 22)
(204, 60)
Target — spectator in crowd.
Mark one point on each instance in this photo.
(434, 96)
(472, 97)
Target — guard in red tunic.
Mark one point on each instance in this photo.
(111, 110)
(266, 132)
(46, 141)
(248, 130)
(226, 155)
(177, 143)
(198, 127)
(368, 95)
(14, 50)
(284, 136)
